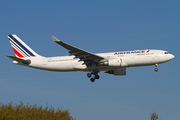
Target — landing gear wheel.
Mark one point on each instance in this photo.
(88, 75)
(155, 69)
(92, 79)
(96, 76)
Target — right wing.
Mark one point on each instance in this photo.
(83, 55)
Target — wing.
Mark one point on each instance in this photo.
(83, 55)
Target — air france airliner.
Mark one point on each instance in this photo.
(80, 60)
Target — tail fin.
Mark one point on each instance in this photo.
(20, 48)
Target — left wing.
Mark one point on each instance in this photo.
(83, 55)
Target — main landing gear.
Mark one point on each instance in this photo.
(156, 69)
(95, 75)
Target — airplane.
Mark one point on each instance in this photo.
(80, 60)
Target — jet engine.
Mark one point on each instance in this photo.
(117, 72)
(114, 62)
(111, 62)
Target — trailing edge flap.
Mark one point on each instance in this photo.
(19, 60)
(83, 55)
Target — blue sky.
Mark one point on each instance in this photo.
(95, 26)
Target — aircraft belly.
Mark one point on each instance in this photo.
(53, 65)
(156, 59)
(139, 60)
(63, 65)
(81, 67)
(105, 68)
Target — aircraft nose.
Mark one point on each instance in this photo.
(172, 56)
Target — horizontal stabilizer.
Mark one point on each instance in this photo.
(27, 62)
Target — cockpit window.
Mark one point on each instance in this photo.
(166, 53)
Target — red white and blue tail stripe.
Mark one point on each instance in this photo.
(20, 48)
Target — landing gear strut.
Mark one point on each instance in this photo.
(95, 75)
(93, 72)
(156, 69)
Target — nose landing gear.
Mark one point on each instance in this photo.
(156, 69)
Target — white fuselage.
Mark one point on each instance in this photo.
(114, 60)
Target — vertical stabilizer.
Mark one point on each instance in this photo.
(20, 48)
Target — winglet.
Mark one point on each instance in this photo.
(55, 39)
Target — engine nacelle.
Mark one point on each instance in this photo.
(117, 72)
(112, 62)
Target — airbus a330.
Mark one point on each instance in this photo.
(80, 60)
